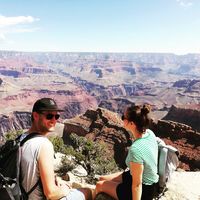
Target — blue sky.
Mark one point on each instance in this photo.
(171, 26)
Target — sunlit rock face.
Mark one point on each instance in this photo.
(14, 121)
(101, 125)
(187, 115)
(184, 138)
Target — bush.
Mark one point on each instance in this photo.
(66, 166)
(11, 135)
(95, 155)
(57, 143)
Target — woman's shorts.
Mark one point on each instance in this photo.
(124, 189)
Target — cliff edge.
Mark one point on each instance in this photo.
(183, 186)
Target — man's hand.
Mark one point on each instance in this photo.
(60, 182)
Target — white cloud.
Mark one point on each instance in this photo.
(18, 24)
(9, 21)
(2, 37)
(185, 3)
(25, 30)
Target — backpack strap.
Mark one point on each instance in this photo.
(32, 189)
(8, 189)
(28, 137)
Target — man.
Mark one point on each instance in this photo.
(38, 154)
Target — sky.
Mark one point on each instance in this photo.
(157, 26)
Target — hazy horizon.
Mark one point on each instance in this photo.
(98, 52)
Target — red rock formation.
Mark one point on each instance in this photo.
(184, 138)
(101, 125)
(14, 121)
(185, 115)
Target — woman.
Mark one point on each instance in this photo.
(140, 180)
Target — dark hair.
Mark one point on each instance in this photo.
(139, 115)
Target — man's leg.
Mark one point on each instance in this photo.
(117, 177)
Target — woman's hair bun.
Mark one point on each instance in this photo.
(145, 109)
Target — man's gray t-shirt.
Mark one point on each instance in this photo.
(29, 166)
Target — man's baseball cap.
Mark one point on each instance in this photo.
(45, 104)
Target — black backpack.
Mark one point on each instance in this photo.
(10, 156)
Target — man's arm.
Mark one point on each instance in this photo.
(46, 168)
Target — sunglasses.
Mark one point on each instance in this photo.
(123, 118)
(51, 116)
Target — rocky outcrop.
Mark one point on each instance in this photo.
(117, 105)
(14, 121)
(187, 116)
(150, 70)
(130, 70)
(13, 73)
(190, 87)
(101, 125)
(98, 72)
(184, 138)
(185, 83)
(184, 186)
(105, 93)
(36, 70)
(1, 81)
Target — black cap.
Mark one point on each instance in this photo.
(45, 104)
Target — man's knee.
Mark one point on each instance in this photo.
(102, 178)
(99, 186)
(87, 193)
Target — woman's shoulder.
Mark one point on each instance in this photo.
(150, 132)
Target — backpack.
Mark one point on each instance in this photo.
(10, 156)
(167, 163)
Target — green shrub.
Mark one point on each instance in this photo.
(94, 156)
(66, 166)
(13, 134)
(57, 143)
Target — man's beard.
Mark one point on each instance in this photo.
(51, 129)
(45, 129)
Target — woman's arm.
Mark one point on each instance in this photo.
(117, 177)
(136, 171)
(51, 190)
